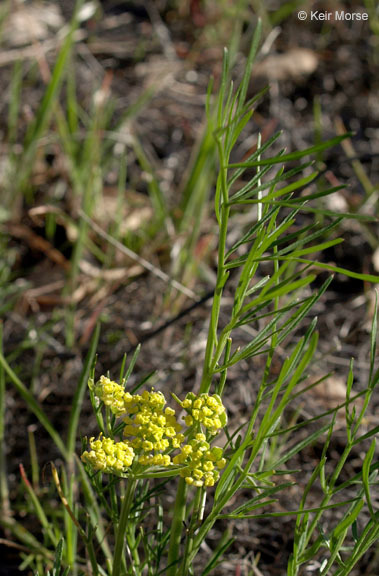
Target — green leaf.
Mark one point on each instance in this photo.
(294, 155)
(338, 269)
(44, 113)
(242, 91)
(79, 394)
(373, 336)
(58, 558)
(279, 291)
(319, 211)
(368, 434)
(348, 519)
(225, 542)
(256, 154)
(256, 502)
(300, 445)
(302, 237)
(302, 182)
(366, 476)
(230, 471)
(299, 512)
(316, 248)
(132, 364)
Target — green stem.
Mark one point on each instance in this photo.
(212, 332)
(94, 516)
(71, 529)
(270, 355)
(4, 493)
(195, 522)
(92, 556)
(122, 526)
(177, 528)
(38, 509)
(328, 496)
(221, 503)
(224, 373)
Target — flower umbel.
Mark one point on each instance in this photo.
(151, 433)
(205, 409)
(152, 429)
(111, 393)
(108, 456)
(201, 462)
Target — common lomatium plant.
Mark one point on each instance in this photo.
(158, 477)
(144, 444)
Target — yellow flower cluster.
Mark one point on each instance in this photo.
(153, 429)
(111, 393)
(205, 409)
(151, 433)
(201, 462)
(108, 456)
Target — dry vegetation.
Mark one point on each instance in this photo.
(107, 179)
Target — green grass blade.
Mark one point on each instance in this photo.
(40, 513)
(34, 406)
(21, 534)
(46, 108)
(79, 394)
(158, 200)
(14, 102)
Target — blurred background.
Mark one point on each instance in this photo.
(107, 172)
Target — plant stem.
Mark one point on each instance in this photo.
(177, 528)
(4, 493)
(122, 526)
(221, 279)
(195, 522)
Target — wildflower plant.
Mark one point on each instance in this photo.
(151, 433)
(145, 440)
(187, 448)
(146, 443)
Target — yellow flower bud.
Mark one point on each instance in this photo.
(188, 420)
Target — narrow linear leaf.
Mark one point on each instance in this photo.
(339, 270)
(58, 558)
(301, 445)
(293, 512)
(294, 155)
(366, 476)
(349, 518)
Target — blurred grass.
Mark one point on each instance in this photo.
(85, 145)
(85, 139)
